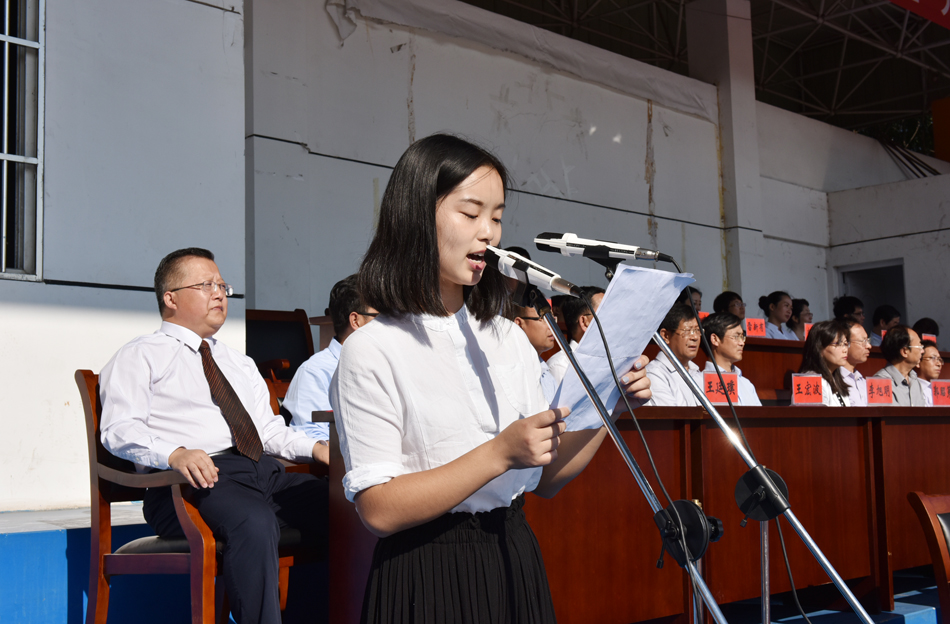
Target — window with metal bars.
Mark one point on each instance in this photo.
(22, 57)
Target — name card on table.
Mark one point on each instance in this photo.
(808, 327)
(715, 392)
(880, 391)
(941, 390)
(702, 315)
(755, 328)
(806, 389)
(929, 337)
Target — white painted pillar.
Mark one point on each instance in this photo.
(719, 36)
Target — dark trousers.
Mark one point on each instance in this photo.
(246, 509)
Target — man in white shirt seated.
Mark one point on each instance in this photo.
(181, 399)
(929, 369)
(577, 318)
(858, 353)
(681, 332)
(309, 390)
(902, 349)
(727, 339)
(541, 338)
(885, 317)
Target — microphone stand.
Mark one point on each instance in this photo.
(671, 533)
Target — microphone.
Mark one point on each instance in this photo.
(517, 267)
(570, 244)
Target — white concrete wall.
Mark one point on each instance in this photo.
(330, 120)
(906, 220)
(144, 154)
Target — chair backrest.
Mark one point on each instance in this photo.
(88, 383)
(325, 325)
(279, 335)
(934, 515)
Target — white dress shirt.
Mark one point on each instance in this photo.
(558, 363)
(416, 392)
(858, 395)
(309, 391)
(666, 384)
(548, 383)
(155, 399)
(928, 392)
(779, 332)
(745, 390)
(876, 339)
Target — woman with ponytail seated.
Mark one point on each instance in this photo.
(778, 309)
(826, 351)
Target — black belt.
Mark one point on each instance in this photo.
(228, 451)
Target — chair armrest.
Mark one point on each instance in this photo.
(140, 480)
(272, 366)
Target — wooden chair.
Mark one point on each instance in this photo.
(934, 515)
(351, 549)
(198, 554)
(325, 325)
(278, 342)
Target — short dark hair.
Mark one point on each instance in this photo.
(344, 298)
(846, 305)
(169, 271)
(886, 313)
(722, 301)
(428, 171)
(927, 326)
(679, 313)
(821, 335)
(798, 305)
(928, 343)
(896, 338)
(718, 324)
(576, 307)
(771, 299)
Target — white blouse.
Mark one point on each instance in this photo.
(416, 392)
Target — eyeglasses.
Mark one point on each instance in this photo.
(837, 345)
(861, 343)
(209, 287)
(689, 333)
(737, 304)
(530, 318)
(739, 338)
(372, 314)
(915, 346)
(936, 359)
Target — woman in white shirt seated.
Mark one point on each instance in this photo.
(443, 423)
(727, 339)
(681, 332)
(826, 351)
(778, 309)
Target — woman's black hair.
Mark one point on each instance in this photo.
(723, 300)
(772, 299)
(428, 171)
(821, 335)
(718, 324)
(797, 306)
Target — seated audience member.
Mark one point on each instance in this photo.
(902, 349)
(727, 339)
(181, 399)
(694, 294)
(541, 338)
(929, 369)
(927, 326)
(681, 332)
(849, 308)
(825, 354)
(885, 317)
(731, 302)
(577, 318)
(858, 353)
(778, 309)
(801, 315)
(309, 390)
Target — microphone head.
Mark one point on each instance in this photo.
(547, 236)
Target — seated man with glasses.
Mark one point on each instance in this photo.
(727, 340)
(902, 349)
(577, 318)
(929, 369)
(309, 390)
(180, 399)
(858, 353)
(541, 338)
(681, 332)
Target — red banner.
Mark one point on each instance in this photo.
(937, 11)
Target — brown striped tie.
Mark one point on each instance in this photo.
(246, 439)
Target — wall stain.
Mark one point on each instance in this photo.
(648, 175)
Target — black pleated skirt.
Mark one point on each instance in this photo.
(460, 568)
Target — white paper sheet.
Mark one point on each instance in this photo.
(633, 307)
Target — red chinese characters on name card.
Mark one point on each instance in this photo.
(755, 328)
(929, 337)
(808, 327)
(702, 315)
(806, 389)
(880, 391)
(714, 390)
(941, 390)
